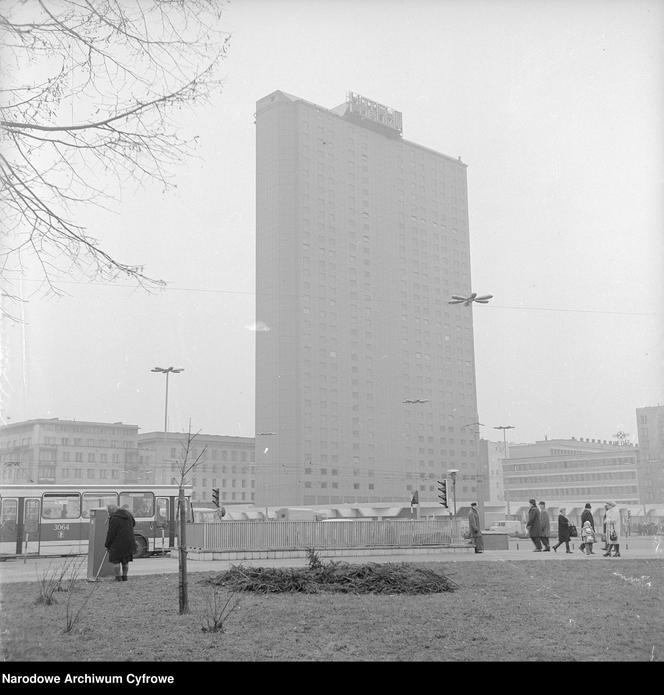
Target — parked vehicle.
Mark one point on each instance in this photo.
(208, 515)
(510, 526)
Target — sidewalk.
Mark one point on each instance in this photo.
(27, 570)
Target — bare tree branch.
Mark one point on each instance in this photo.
(124, 69)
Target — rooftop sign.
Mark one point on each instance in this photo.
(374, 111)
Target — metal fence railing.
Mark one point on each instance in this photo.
(322, 535)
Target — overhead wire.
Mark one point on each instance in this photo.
(206, 290)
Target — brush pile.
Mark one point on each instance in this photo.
(339, 577)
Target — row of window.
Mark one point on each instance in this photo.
(223, 496)
(90, 473)
(205, 467)
(79, 456)
(543, 468)
(99, 443)
(335, 486)
(574, 477)
(75, 505)
(433, 488)
(217, 454)
(224, 483)
(607, 492)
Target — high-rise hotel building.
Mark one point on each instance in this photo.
(365, 378)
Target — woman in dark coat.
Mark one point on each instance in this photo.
(120, 541)
(563, 531)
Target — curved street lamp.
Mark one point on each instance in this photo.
(166, 371)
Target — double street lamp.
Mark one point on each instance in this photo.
(504, 428)
(166, 371)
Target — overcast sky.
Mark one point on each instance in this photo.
(556, 108)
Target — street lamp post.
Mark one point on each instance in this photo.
(473, 297)
(166, 371)
(504, 428)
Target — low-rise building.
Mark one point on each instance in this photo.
(227, 463)
(571, 470)
(68, 451)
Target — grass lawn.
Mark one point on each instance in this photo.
(501, 611)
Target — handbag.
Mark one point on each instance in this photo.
(573, 533)
(613, 536)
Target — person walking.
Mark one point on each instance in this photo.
(563, 531)
(587, 515)
(613, 529)
(120, 542)
(475, 528)
(545, 527)
(533, 526)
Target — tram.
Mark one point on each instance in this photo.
(40, 520)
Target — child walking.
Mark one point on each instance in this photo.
(588, 537)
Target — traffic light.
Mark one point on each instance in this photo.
(442, 492)
(415, 499)
(215, 496)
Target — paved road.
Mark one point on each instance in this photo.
(636, 548)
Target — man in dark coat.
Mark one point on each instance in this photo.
(563, 531)
(120, 542)
(587, 515)
(533, 526)
(545, 527)
(475, 528)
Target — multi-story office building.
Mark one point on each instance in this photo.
(491, 455)
(68, 451)
(224, 462)
(571, 471)
(365, 374)
(650, 424)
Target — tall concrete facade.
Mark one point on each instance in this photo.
(650, 423)
(365, 378)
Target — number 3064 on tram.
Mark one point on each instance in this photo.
(55, 519)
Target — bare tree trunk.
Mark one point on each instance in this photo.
(183, 592)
